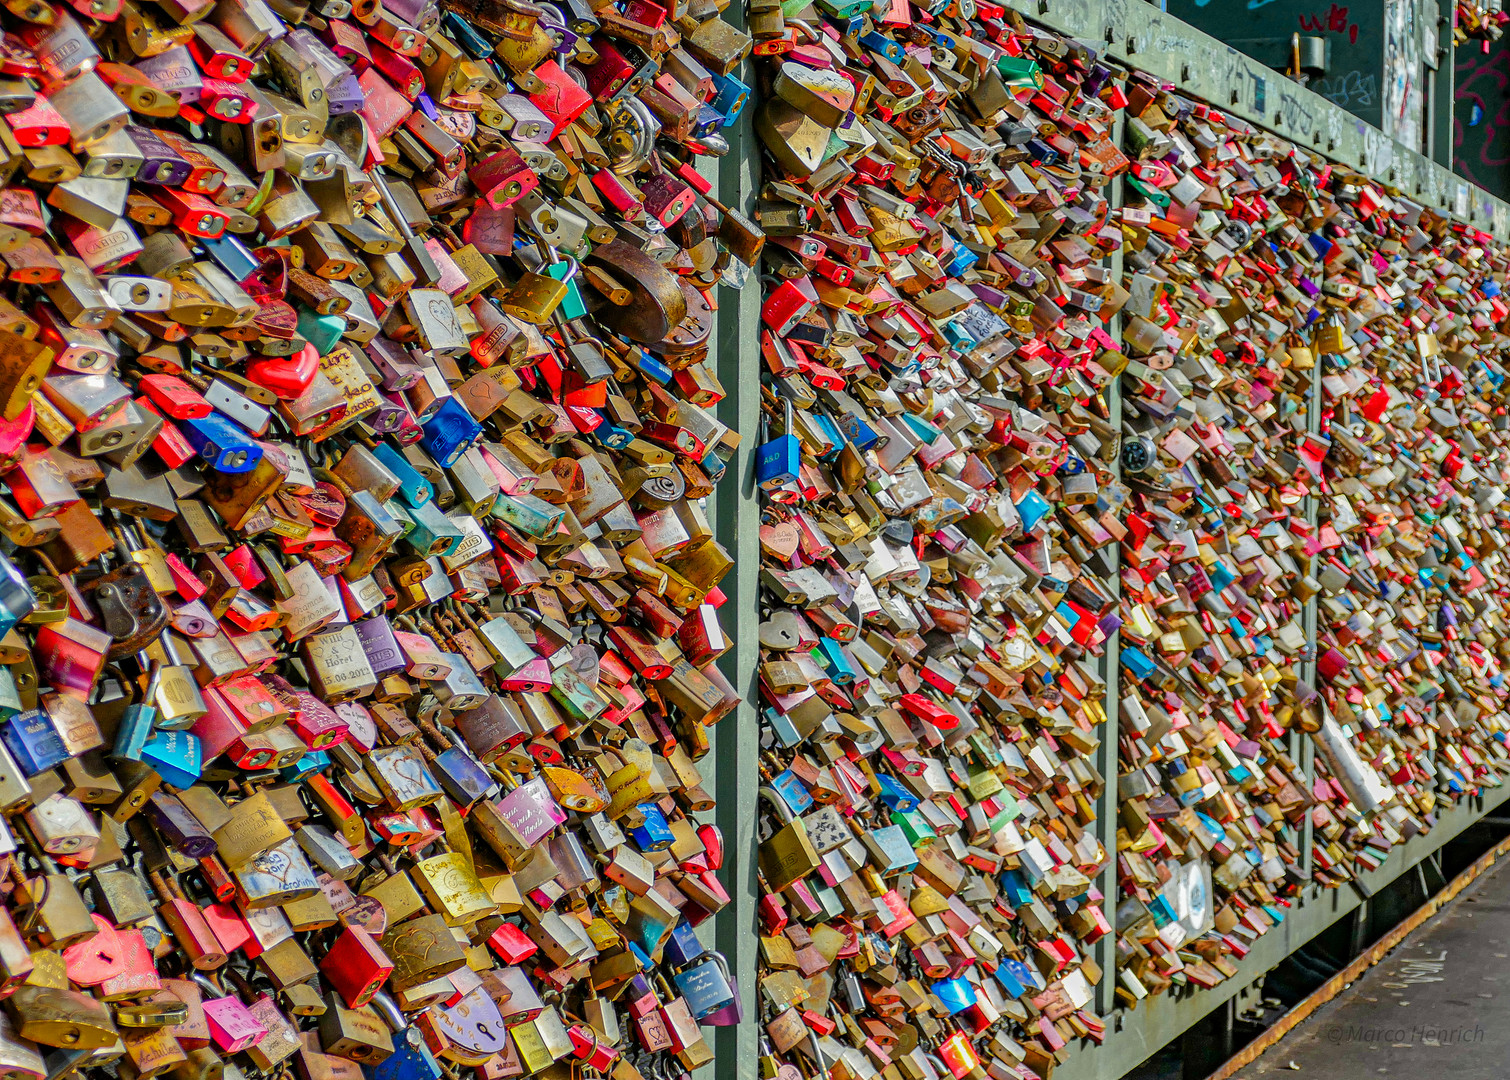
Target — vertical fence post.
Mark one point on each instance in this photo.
(1305, 752)
(1108, 754)
(736, 516)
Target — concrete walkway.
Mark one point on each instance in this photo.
(1437, 1008)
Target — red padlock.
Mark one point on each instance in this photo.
(193, 214)
(39, 125)
(787, 304)
(175, 397)
(316, 724)
(667, 198)
(617, 190)
(227, 101)
(401, 71)
(215, 63)
(590, 1050)
(356, 967)
(384, 108)
(503, 178)
(37, 484)
(607, 76)
(511, 944)
(929, 711)
(170, 444)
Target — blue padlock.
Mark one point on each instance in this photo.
(861, 435)
(16, 598)
(462, 779)
(778, 460)
(708, 121)
(963, 259)
(730, 96)
(321, 331)
(849, 25)
(312, 762)
(878, 42)
(830, 654)
(958, 335)
(705, 988)
(922, 429)
(225, 446)
(449, 433)
(572, 306)
(176, 756)
(1016, 890)
(34, 742)
(894, 795)
(532, 516)
(714, 466)
(682, 945)
(956, 995)
(137, 721)
(652, 930)
(1017, 978)
(1163, 914)
(231, 254)
(655, 834)
(413, 488)
(611, 435)
(411, 1058)
(433, 532)
(651, 367)
(466, 35)
(793, 792)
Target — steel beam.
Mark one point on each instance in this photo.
(1138, 34)
(735, 759)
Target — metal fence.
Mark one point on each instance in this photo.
(1138, 35)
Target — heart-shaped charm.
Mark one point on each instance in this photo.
(95, 959)
(780, 540)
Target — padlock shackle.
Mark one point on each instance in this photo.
(390, 206)
(717, 958)
(389, 1011)
(644, 144)
(770, 795)
(818, 1056)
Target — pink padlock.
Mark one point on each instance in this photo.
(13, 435)
(232, 1025)
(531, 810)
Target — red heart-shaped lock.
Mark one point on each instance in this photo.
(287, 377)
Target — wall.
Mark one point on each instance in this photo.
(1481, 114)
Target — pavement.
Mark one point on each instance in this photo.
(1437, 1008)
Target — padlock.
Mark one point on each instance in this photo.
(778, 460)
(394, 427)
